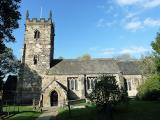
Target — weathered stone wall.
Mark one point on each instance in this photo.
(135, 81)
(30, 82)
(59, 84)
(29, 85)
(42, 47)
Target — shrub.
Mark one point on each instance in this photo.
(106, 92)
(150, 90)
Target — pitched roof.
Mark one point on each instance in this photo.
(95, 66)
(84, 66)
(130, 67)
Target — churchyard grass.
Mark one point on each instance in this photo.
(134, 110)
(20, 113)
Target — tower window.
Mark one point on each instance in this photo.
(36, 34)
(35, 59)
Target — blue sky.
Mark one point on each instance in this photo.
(101, 28)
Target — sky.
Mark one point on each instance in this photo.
(101, 28)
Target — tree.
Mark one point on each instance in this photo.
(156, 47)
(85, 57)
(106, 94)
(124, 57)
(1, 86)
(9, 16)
(9, 88)
(148, 65)
(156, 44)
(106, 91)
(60, 57)
(8, 64)
(150, 89)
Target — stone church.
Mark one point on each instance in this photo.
(47, 79)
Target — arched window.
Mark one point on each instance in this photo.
(36, 34)
(88, 84)
(76, 85)
(129, 85)
(35, 59)
(72, 84)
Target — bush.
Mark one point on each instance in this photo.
(150, 90)
(106, 92)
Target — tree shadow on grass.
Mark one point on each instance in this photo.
(24, 115)
(88, 113)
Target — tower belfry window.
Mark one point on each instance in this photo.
(36, 34)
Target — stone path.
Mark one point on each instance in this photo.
(48, 114)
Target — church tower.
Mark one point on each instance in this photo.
(38, 43)
(37, 56)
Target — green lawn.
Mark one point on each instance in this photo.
(25, 113)
(138, 110)
(135, 110)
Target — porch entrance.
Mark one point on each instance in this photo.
(54, 98)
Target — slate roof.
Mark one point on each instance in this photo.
(130, 67)
(95, 66)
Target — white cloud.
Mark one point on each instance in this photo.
(137, 24)
(132, 15)
(151, 3)
(108, 51)
(134, 25)
(104, 23)
(151, 22)
(133, 50)
(142, 3)
(127, 2)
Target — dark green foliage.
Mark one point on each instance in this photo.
(148, 65)
(8, 63)
(1, 80)
(106, 92)
(150, 90)
(156, 47)
(156, 44)
(2, 47)
(9, 89)
(9, 16)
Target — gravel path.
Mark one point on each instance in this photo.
(48, 114)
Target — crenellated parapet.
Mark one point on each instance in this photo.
(38, 21)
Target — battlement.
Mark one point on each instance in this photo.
(39, 21)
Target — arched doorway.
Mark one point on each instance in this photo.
(54, 98)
